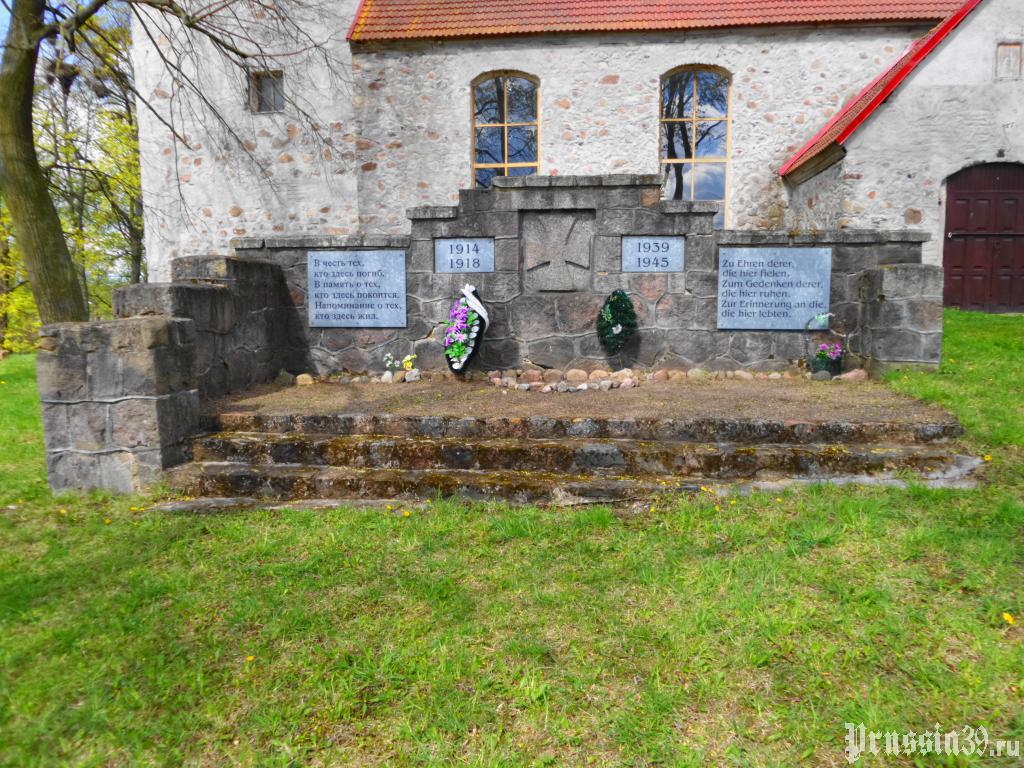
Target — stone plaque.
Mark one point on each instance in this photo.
(464, 254)
(776, 289)
(356, 289)
(653, 254)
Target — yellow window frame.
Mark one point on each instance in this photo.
(474, 165)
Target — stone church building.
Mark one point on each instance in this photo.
(792, 115)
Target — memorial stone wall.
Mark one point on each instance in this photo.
(544, 254)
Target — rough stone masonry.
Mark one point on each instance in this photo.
(121, 398)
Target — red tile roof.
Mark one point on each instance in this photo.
(854, 114)
(408, 19)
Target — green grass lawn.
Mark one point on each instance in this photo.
(695, 631)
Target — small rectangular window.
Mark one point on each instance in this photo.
(266, 91)
(1008, 61)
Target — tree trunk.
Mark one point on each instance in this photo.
(51, 272)
(5, 288)
(136, 245)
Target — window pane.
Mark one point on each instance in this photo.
(710, 183)
(677, 95)
(490, 146)
(485, 175)
(677, 181)
(522, 101)
(712, 94)
(711, 139)
(720, 218)
(489, 100)
(528, 171)
(676, 141)
(522, 145)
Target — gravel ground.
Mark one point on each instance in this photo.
(785, 399)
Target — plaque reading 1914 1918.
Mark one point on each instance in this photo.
(653, 254)
(778, 289)
(464, 254)
(356, 289)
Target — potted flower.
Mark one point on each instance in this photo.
(828, 357)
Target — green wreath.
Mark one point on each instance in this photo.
(616, 322)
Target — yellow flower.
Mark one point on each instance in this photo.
(717, 508)
(63, 511)
(250, 658)
(106, 521)
(133, 509)
(388, 508)
(1008, 618)
(732, 501)
(986, 457)
(406, 513)
(705, 490)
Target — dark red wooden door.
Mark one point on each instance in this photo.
(984, 253)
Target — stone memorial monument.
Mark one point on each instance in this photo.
(121, 398)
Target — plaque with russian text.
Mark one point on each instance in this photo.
(356, 289)
(653, 254)
(464, 254)
(774, 289)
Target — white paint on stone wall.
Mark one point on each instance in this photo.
(951, 113)
(393, 125)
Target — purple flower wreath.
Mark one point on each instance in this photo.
(462, 322)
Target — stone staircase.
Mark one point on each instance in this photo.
(541, 459)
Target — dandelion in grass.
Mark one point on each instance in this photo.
(1008, 618)
(106, 521)
(250, 659)
(986, 457)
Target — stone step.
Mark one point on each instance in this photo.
(569, 456)
(280, 482)
(702, 430)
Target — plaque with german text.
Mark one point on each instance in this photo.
(773, 289)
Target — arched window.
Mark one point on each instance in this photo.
(695, 135)
(506, 131)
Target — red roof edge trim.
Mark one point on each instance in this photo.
(358, 20)
(857, 112)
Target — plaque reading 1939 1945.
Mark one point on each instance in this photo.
(464, 254)
(356, 289)
(653, 254)
(779, 289)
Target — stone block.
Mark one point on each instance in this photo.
(902, 281)
(553, 352)
(61, 375)
(675, 310)
(698, 283)
(650, 286)
(752, 347)
(577, 312)
(556, 250)
(607, 254)
(421, 256)
(498, 353)
(88, 426)
(701, 253)
(533, 317)
(506, 254)
(853, 258)
(696, 347)
(896, 344)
